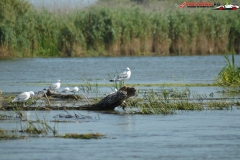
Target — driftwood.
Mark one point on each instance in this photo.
(110, 102)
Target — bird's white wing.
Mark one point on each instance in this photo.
(53, 86)
(22, 97)
(121, 76)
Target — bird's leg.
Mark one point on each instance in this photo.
(24, 104)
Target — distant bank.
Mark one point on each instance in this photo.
(108, 30)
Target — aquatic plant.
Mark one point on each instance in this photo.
(6, 135)
(173, 100)
(88, 87)
(219, 105)
(230, 74)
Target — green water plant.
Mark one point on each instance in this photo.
(170, 101)
(230, 74)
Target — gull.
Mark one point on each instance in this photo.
(23, 97)
(65, 90)
(55, 86)
(122, 76)
(75, 90)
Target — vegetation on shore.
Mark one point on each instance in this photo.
(129, 29)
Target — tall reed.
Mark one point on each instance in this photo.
(119, 30)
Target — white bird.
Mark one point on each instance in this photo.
(55, 86)
(122, 76)
(65, 90)
(75, 90)
(23, 97)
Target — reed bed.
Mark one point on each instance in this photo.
(101, 30)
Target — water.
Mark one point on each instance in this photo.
(185, 135)
(30, 73)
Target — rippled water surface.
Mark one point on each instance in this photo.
(185, 135)
(16, 74)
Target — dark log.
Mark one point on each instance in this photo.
(111, 101)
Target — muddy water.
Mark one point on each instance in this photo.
(186, 135)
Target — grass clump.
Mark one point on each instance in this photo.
(83, 136)
(219, 105)
(165, 102)
(230, 74)
(6, 135)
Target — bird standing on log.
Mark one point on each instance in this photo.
(75, 90)
(54, 86)
(122, 76)
(23, 97)
(65, 90)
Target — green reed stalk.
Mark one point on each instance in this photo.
(119, 30)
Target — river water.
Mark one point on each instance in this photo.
(185, 135)
(33, 73)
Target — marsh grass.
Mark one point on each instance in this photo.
(38, 127)
(230, 74)
(88, 87)
(9, 135)
(170, 101)
(219, 105)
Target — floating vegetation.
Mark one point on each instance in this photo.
(82, 136)
(219, 105)
(173, 100)
(9, 135)
(38, 127)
